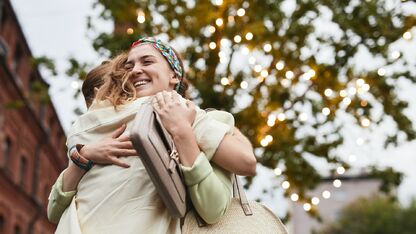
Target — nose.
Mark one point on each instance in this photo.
(137, 69)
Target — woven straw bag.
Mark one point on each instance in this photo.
(242, 216)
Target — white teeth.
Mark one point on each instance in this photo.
(142, 82)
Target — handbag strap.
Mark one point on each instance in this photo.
(238, 192)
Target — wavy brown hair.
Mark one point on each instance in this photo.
(94, 79)
(119, 89)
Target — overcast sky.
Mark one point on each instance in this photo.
(58, 29)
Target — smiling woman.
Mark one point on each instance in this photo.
(111, 197)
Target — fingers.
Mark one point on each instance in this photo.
(124, 145)
(124, 152)
(123, 138)
(118, 131)
(118, 162)
(160, 99)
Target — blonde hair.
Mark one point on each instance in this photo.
(118, 87)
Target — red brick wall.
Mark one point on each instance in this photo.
(35, 136)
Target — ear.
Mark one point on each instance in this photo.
(174, 79)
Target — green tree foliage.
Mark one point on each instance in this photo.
(377, 215)
(288, 91)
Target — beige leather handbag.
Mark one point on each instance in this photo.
(158, 154)
(242, 216)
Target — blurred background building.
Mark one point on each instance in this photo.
(32, 141)
(328, 199)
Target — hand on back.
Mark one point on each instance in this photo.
(108, 150)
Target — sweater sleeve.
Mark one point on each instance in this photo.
(58, 200)
(209, 187)
(210, 128)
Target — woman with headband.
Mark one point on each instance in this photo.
(110, 199)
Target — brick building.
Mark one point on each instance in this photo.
(32, 141)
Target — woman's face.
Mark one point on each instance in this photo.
(150, 72)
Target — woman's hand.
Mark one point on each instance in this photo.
(108, 150)
(174, 115)
(177, 118)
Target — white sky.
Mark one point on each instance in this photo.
(57, 29)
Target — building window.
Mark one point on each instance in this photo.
(17, 230)
(23, 170)
(17, 57)
(2, 224)
(7, 148)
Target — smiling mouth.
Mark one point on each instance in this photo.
(141, 83)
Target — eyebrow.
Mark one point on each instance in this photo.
(141, 58)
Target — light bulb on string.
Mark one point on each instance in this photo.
(237, 39)
(289, 75)
(243, 84)
(241, 12)
(249, 36)
(277, 171)
(307, 207)
(381, 71)
(225, 81)
(257, 68)
(337, 183)
(328, 92)
(281, 116)
(407, 35)
(315, 201)
(212, 45)
(267, 48)
(340, 170)
(280, 65)
(264, 73)
(294, 197)
(130, 31)
(219, 22)
(140, 16)
(218, 2)
(326, 194)
(326, 111)
(211, 29)
(252, 60)
(360, 82)
(285, 184)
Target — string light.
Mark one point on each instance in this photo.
(365, 87)
(359, 141)
(264, 143)
(315, 201)
(303, 117)
(381, 71)
(326, 194)
(267, 47)
(219, 22)
(407, 36)
(308, 75)
(328, 92)
(343, 93)
(241, 12)
(280, 65)
(307, 207)
(285, 82)
(249, 36)
(352, 158)
(212, 45)
(252, 60)
(365, 122)
(277, 171)
(75, 84)
(218, 2)
(223, 41)
(140, 16)
(225, 81)
(340, 170)
(257, 68)
(326, 111)
(363, 103)
(130, 31)
(337, 183)
(285, 184)
(211, 29)
(289, 75)
(237, 39)
(246, 50)
(352, 90)
(281, 116)
(271, 121)
(243, 84)
(264, 73)
(269, 138)
(395, 54)
(360, 82)
(294, 197)
(346, 101)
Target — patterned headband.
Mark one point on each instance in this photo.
(166, 51)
